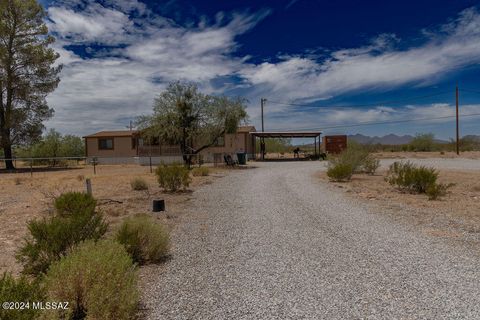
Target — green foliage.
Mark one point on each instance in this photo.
(340, 172)
(52, 145)
(98, 280)
(200, 172)
(423, 142)
(27, 72)
(184, 116)
(437, 190)
(173, 177)
(416, 179)
(277, 145)
(355, 156)
(144, 239)
(19, 290)
(51, 238)
(71, 203)
(139, 184)
(370, 165)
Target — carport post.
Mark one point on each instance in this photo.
(315, 146)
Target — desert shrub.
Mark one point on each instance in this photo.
(19, 290)
(370, 165)
(423, 142)
(74, 202)
(354, 156)
(201, 171)
(144, 239)
(173, 177)
(411, 178)
(340, 172)
(139, 184)
(98, 280)
(51, 238)
(438, 190)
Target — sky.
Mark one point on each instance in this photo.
(321, 65)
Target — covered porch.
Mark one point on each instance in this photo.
(260, 154)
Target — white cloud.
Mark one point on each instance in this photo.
(145, 51)
(378, 65)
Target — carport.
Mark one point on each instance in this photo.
(299, 134)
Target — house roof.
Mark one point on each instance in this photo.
(246, 129)
(118, 133)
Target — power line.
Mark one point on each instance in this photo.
(468, 90)
(368, 123)
(362, 105)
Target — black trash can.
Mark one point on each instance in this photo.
(242, 158)
(158, 205)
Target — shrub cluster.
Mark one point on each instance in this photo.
(173, 177)
(139, 184)
(201, 171)
(20, 289)
(416, 179)
(145, 240)
(98, 280)
(354, 159)
(75, 220)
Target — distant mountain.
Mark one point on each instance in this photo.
(388, 139)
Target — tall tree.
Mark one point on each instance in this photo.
(182, 115)
(27, 73)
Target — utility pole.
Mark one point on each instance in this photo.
(262, 140)
(458, 134)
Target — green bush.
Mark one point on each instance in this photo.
(74, 202)
(51, 238)
(144, 239)
(173, 177)
(423, 142)
(98, 280)
(370, 165)
(139, 184)
(201, 171)
(355, 156)
(411, 178)
(438, 190)
(340, 172)
(19, 290)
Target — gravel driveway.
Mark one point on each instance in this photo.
(276, 243)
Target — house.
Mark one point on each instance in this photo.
(128, 146)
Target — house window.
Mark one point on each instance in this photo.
(105, 144)
(220, 142)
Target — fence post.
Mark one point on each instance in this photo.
(150, 164)
(88, 184)
(31, 167)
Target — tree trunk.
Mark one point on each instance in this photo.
(8, 155)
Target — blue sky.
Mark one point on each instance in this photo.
(320, 64)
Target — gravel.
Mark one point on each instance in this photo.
(276, 243)
(439, 163)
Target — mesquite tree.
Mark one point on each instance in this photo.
(27, 73)
(184, 116)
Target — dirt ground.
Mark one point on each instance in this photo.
(24, 197)
(427, 155)
(457, 215)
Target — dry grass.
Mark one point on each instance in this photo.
(427, 155)
(33, 198)
(456, 215)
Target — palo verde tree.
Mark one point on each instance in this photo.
(183, 115)
(27, 73)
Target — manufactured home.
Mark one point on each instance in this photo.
(128, 146)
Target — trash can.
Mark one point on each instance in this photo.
(242, 158)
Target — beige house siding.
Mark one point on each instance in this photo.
(122, 147)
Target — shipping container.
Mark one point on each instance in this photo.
(334, 144)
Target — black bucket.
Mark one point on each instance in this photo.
(158, 205)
